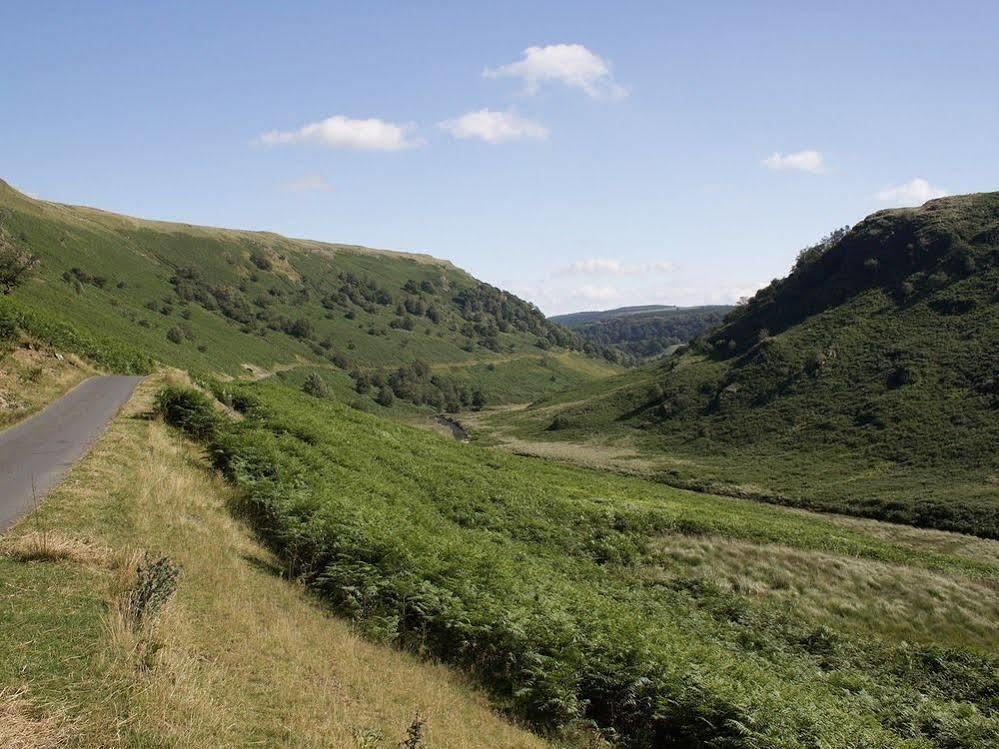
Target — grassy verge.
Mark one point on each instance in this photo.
(664, 617)
(32, 378)
(236, 657)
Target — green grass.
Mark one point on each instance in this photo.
(576, 595)
(214, 300)
(237, 657)
(864, 382)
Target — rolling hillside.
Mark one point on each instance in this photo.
(237, 302)
(646, 332)
(573, 320)
(867, 381)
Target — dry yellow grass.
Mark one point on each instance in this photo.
(23, 726)
(879, 598)
(31, 378)
(53, 546)
(238, 656)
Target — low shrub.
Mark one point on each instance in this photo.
(189, 410)
(155, 582)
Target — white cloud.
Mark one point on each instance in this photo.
(595, 293)
(616, 267)
(309, 183)
(913, 192)
(493, 127)
(556, 298)
(570, 64)
(802, 161)
(344, 133)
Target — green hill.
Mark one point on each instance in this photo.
(646, 333)
(866, 381)
(233, 302)
(574, 320)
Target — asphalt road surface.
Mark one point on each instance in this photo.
(35, 454)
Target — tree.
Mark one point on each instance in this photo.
(175, 335)
(385, 397)
(16, 265)
(478, 399)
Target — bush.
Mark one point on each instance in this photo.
(189, 410)
(155, 582)
(315, 386)
(175, 335)
(16, 266)
(385, 397)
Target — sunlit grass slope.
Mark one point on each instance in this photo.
(665, 617)
(215, 300)
(237, 657)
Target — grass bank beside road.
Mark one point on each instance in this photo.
(236, 657)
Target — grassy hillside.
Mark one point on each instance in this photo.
(236, 657)
(216, 300)
(864, 382)
(663, 617)
(647, 334)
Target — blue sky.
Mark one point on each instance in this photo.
(581, 154)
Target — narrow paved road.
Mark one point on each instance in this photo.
(36, 453)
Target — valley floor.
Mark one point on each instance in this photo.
(240, 656)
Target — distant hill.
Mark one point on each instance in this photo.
(573, 320)
(865, 381)
(645, 334)
(236, 302)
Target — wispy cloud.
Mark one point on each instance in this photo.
(345, 133)
(493, 127)
(606, 266)
(591, 293)
(914, 192)
(569, 64)
(801, 161)
(309, 183)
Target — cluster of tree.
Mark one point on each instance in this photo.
(492, 311)
(359, 292)
(650, 334)
(416, 384)
(904, 258)
(79, 278)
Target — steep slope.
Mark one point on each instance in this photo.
(865, 381)
(236, 657)
(219, 300)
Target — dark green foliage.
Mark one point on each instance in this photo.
(385, 397)
(535, 579)
(189, 410)
(649, 334)
(17, 264)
